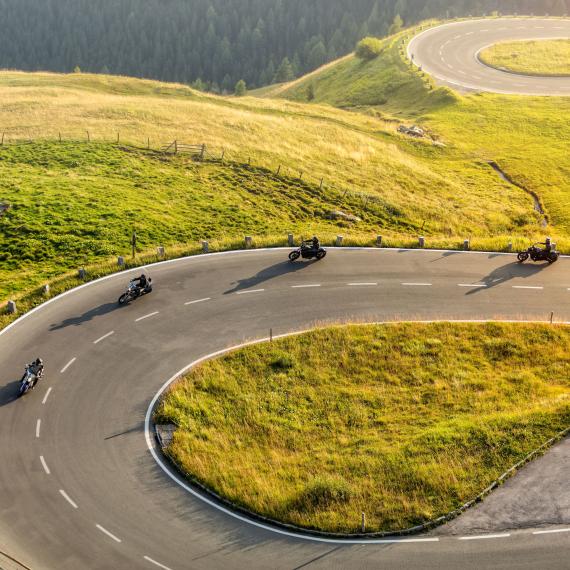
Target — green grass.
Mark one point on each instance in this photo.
(526, 136)
(404, 422)
(536, 57)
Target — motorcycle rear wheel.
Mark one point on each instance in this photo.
(523, 256)
(294, 255)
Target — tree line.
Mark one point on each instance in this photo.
(213, 44)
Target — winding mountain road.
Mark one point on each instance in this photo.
(450, 54)
(81, 489)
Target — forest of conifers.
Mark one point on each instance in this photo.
(213, 43)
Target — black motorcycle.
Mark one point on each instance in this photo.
(134, 292)
(538, 254)
(29, 380)
(308, 251)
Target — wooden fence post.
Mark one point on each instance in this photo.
(203, 152)
(148, 143)
(59, 137)
(278, 170)
(321, 186)
(1, 143)
(223, 153)
(175, 147)
(117, 138)
(88, 137)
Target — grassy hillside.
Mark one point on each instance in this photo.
(403, 422)
(527, 136)
(77, 203)
(538, 57)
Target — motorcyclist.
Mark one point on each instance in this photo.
(141, 282)
(37, 369)
(316, 243)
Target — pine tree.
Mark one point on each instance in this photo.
(397, 25)
(285, 72)
(241, 88)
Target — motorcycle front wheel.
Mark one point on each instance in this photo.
(553, 257)
(294, 255)
(321, 254)
(124, 298)
(523, 256)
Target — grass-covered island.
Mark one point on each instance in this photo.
(404, 422)
(531, 57)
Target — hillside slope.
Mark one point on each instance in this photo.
(77, 203)
(526, 136)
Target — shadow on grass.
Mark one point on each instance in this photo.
(271, 272)
(506, 273)
(86, 317)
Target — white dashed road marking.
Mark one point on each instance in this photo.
(103, 337)
(38, 426)
(198, 301)
(47, 395)
(68, 499)
(304, 286)
(527, 287)
(44, 465)
(485, 536)
(146, 316)
(553, 531)
(109, 534)
(68, 365)
(250, 291)
(149, 559)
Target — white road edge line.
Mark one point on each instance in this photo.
(417, 284)
(527, 287)
(146, 316)
(109, 534)
(485, 536)
(44, 465)
(149, 559)
(250, 291)
(68, 365)
(38, 426)
(198, 301)
(47, 395)
(363, 284)
(553, 531)
(68, 499)
(305, 286)
(103, 337)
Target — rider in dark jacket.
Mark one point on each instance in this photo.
(37, 369)
(141, 282)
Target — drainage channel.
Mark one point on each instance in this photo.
(537, 205)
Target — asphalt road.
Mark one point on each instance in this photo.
(450, 54)
(80, 488)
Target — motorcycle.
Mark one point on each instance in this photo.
(28, 381)
(307, 251)
(134, 292)
(538, 254)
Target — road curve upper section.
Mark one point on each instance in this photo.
(450, 52)
(79, 486)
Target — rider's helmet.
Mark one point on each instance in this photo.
(39, 361)
(143, 276)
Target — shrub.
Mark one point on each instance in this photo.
(368, 49)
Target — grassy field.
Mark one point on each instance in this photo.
(77, 203)
(526, 136)
(404, 422)
(544, 57)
